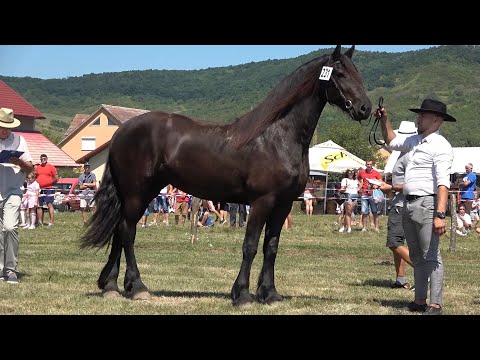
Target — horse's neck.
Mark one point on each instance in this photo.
(304, 118)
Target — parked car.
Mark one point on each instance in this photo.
(67, 195)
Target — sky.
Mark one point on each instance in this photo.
(62, 61)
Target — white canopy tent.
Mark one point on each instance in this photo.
(461, 157)
(331, 157)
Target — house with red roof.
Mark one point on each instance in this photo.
(37, 143)
(88, 136)
(88, 132)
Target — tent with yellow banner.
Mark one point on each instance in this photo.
(331, 157)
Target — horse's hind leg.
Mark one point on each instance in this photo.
(132, 283)
(266, 291)
(260, 211)
(107, 280)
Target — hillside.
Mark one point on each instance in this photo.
(449, 73)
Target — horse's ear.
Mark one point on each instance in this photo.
(336, 53)
(350, 51)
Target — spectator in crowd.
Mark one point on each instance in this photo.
(30, 200)
(308, 198)
(181, 208)
(204, 210)
(464, 221)
(426, 186)
(288, 224)
(474, 214)
(161, 205)
(366, 189)
(467, 187)
(12, 175)
(88, 184)
(222, 208)
(395, 232)
(213, 210)
(46, 177)
(349, 187)
(242, 213)
(24, 207)
(339, 209)
(144, 218)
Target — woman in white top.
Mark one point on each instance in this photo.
(349, 187)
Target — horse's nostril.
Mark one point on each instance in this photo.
(365, 110)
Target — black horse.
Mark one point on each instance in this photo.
(260, 159)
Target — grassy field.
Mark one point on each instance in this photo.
(318, 271)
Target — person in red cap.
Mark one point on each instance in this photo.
(13, 170)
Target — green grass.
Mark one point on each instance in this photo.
(318, 271)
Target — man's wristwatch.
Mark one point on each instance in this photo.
(440, 214)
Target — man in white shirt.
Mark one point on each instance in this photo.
(426, 185)
(12, 175)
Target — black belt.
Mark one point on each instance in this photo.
(415, 197)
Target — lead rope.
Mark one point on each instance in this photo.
(373, 131)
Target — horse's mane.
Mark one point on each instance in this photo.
(298, 85)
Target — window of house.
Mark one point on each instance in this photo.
(88, 143)
(111, 122)
(96, 122)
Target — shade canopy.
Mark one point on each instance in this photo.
(331, 157)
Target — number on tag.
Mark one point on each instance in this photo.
(326, 73)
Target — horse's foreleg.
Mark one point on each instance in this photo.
(266, 291)
(260, 211)
(132, 283)
(107, 280)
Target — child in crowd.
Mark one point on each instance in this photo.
(30, 201)
(23, 205)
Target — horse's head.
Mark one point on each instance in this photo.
(345, 87)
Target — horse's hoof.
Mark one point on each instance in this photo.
(243, 301)
(273, 298)
(142, 295)
(270, 298)
(111, 294)
(244, 305)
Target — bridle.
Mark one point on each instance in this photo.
(348, 103)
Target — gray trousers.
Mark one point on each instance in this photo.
(9, 212)
(424, 247)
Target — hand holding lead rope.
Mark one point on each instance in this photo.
(380, 110)
(379, 113)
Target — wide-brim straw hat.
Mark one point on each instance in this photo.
(7, 120)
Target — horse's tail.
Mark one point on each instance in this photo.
(107, 215)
